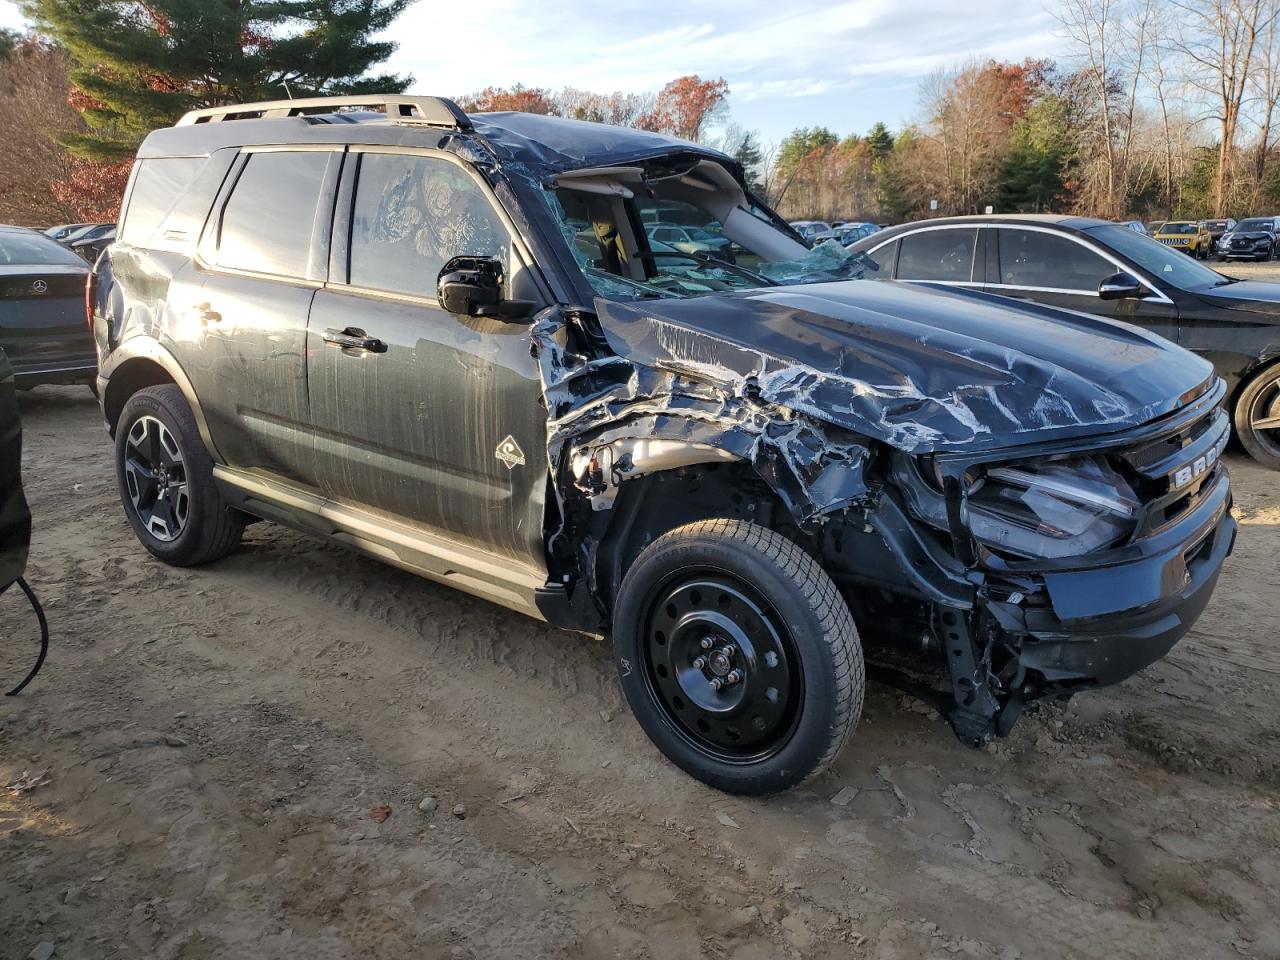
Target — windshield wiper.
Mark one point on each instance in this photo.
(709, 261)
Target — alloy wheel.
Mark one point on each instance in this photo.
(156, 476)
(722, 666)
(1264, 417)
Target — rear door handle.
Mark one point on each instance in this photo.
(354, 339)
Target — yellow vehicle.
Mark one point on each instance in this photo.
(1189, 236)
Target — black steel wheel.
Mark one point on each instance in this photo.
(166, 481)
(1257, 417)
(738, 656)
(722, 665)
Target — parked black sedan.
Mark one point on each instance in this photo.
(1104, 268)
(42, 314)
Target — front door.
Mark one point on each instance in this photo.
(432, 418)
(1043, 266)
(267, 249)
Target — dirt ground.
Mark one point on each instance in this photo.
(215, 740)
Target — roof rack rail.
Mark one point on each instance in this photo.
(429, 111)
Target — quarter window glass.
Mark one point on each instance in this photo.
(412, 215)
(267, 223)
(1031, 258)
(157, 184)
(938, 255)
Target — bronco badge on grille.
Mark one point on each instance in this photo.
(1200, 466)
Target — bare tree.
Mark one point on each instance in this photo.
(1264, 85)
(1220, 40)
(33, 111)
(1154, 71)
(1091, 25)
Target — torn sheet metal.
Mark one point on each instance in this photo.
(594, 401)
(918, 368)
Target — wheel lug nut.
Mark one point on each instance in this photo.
(734, 677)
(707, 643)
(716, 683)
(700, 663)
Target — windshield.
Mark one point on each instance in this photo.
(665, 238)
(34, 248)
(1178, 228)
(1254, 226)
(1172, 266)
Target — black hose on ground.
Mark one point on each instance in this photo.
(44, 637)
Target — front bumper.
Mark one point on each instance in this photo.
(1100, 624)
(1257, 249)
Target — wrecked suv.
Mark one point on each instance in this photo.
(447, 341)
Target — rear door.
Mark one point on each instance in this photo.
(439, 422)
(264, 254)
(1061, 270)
(951, 255)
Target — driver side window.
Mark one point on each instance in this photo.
(411, 215)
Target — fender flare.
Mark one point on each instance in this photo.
(145, 348)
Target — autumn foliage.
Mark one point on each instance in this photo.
(685, 107)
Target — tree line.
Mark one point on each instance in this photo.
(1157, 108)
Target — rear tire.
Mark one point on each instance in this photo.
(743, 600)
(1257, 417)
(166, 483)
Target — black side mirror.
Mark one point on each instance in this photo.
(1121, 286)
(472, 286)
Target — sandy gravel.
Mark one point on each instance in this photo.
(215, 740)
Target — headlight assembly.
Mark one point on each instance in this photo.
(1044, 511)
(1060, 509)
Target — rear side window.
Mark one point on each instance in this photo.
(938, 255)
(267, 223)
(883, 257)
(1033, 258)
(156, 185)
(413, 214)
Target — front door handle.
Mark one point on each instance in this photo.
(354, 339)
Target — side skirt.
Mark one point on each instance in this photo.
(500, 580)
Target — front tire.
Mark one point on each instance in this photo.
(166, 483)
(738, 656)
(1257, 417)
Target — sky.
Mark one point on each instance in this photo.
(789, 63)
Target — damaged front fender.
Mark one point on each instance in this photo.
(611, 419)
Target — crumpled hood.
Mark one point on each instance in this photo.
(920, 368)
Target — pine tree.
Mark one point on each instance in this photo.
(880, 141)
(751, 159)
(9, 40)
(141, 65)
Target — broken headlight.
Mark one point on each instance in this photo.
(1044, 511)
(1064, 508)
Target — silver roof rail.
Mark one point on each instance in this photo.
(400, 108)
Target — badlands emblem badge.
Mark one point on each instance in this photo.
(509, 452)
